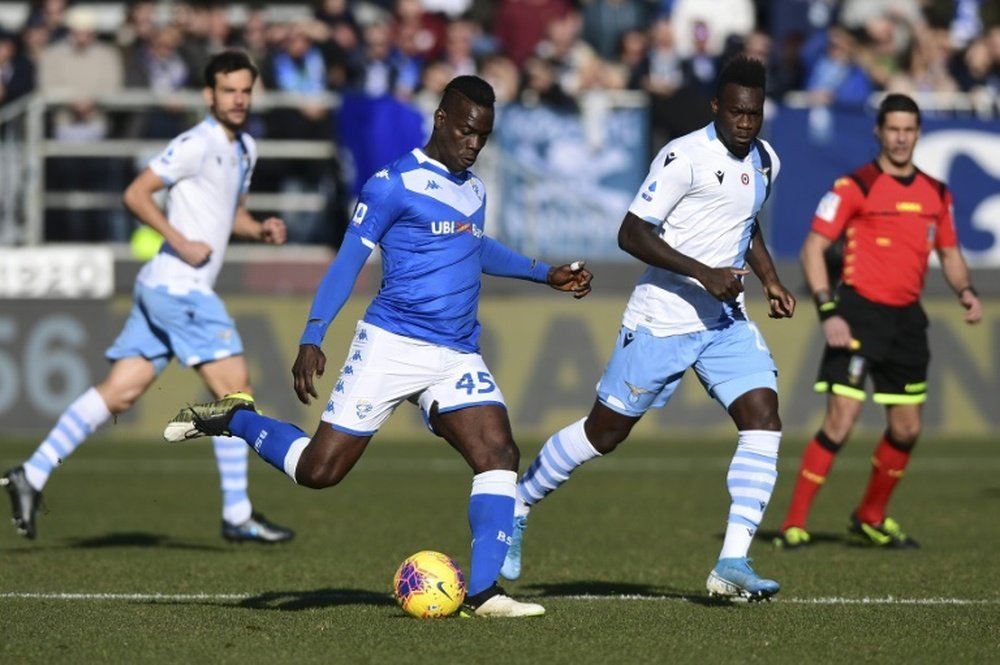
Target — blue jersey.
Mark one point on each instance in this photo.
(428, 223)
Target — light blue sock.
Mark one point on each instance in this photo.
(491, 518)
(565, 450)
(750, 479)
(280, 444)
(231, 457)
(77, 422)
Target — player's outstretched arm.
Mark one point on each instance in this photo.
(780, 299)
(572, 277)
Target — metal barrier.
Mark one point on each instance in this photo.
(24, 149)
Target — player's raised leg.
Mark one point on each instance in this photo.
(562, 453)
(482, 434)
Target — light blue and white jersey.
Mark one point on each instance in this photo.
(704, 202)
(206, 174)
(428, 223)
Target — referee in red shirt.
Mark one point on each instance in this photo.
(890, 216)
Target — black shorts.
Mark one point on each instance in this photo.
(894, 351)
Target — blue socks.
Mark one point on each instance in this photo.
(491, 519)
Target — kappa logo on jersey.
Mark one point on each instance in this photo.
(329, 406)
(339, 388)
(359, 214)
(648, 194)
(356, 356)
(348, 370)
(362, 335)
(432, 184)
(382, 173)
(720, 174)
(363, 408)
(449, 228)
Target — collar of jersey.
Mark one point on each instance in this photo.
(216, 127)
(715, 144)
(426, 161)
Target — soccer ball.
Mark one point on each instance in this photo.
(429, 585)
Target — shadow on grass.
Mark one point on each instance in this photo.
(296, 601)
(598, 589)
(139, 539)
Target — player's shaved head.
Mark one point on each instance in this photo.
(471, 88)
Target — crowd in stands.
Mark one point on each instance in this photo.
(835, 52)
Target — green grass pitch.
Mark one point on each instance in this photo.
(129, 565)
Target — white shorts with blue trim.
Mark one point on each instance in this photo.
(644, 370)
(383, 369)
(195, 327)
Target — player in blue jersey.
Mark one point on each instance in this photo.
(176, 313)
(418, 340)
(694, 222)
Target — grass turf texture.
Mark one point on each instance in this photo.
(619, 558)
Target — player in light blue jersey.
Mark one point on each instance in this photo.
(694, 222)
(418, 340)
(176, 312)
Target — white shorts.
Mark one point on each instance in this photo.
(383, 369)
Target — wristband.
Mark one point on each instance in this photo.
(826, 306)
(971, 289)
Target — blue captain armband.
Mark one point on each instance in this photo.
(500, 260)
(335, 288)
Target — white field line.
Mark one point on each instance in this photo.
(197, 597)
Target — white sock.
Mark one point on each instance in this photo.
(293, 455)
(77, 422)
(751, 479)
(559, 457)
(231, 455)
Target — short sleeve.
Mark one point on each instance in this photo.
(669, 179)
(836, 207)
(377, 206)
(946, 235)
(181, 159)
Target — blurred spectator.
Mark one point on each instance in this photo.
(425, 30)
(605, 21)
(297, 68)
(520, 24)
(459, 47)
(252, 36)
(50, 15)
(720, 18)
(195, 22)
(976, 69)
(341, 43)
(540, 86)
(837, 78)
(377, 69)
(702, 64)
(663, 72)
(925, 69)
(137, 29)
(84, 68)
(574, 61)
(156, 65)
(632, 67)
(17, 73)
(501, 72)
